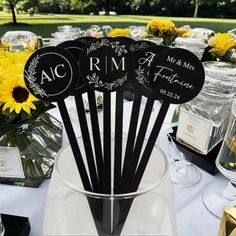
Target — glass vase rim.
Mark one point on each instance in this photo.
(128, 195)
(217, 66)
(194, 42)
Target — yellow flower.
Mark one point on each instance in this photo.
(12, 63)
(4, 44)
(160, 26)
(221, 43)
(164, 29)
(15, 96)
(119, 32)
(183, 31)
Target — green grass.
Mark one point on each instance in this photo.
(45, 24)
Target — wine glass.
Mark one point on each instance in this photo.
(216, 198)
(181, 171)
(2, 228)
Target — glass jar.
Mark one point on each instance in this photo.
(202, 121)
(22, 40)
(194, 45)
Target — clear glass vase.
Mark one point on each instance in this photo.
(147, 211)
(37, 145)
(218, 197)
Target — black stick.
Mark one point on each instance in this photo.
(87, 142)
(150, 145)
(126, 205)
(131, 134)
(94, 204)
(74, 145)
(107, 161)
(96, 135)
(129, 175)
(118, 140)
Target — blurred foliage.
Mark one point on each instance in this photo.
(218, 8)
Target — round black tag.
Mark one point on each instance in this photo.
(126, 40)
(176, 76)
(137, 46)
(104, 64)
(141, 68)
(51, 73)
(85, 40)
(75, 48)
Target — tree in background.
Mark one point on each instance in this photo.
(196, 3)
(86, 6)
(107, 7)
(210, 4)
(29, 6)
(10, 4)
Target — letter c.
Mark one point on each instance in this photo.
(56, 71)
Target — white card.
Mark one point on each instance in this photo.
(10, 163)
(194, 130)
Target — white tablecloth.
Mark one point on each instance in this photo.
(193, 219)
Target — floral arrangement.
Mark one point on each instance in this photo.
(222, 47)
(164, 29)
(17, 105)
(119, 32)
(24, 123)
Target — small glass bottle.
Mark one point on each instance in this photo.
(202, 121)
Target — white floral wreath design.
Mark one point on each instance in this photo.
(30, 76)
(94, 78)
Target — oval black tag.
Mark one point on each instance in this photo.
(176, 76)
(141, 68)
(51, 73)
(104, 64)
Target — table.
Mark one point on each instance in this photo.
(193, 219)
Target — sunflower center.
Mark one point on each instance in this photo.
(20, 94)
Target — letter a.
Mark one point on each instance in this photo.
(45, 77)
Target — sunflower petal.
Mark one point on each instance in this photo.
(26, 108)
(18, 108)
(12, 108)
(31, 105)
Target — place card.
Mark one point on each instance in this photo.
(10, 163)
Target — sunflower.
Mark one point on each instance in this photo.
(119, 32)
(15, 96)
(221, 43)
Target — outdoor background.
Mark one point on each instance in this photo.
(43, 16)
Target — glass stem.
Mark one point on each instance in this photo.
(180, 167)
(230, 191)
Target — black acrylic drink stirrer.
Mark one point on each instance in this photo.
(51, 75)
(103, 67)
(135, 48)
(75, 48)
(118, 139)
(119, 129)
(176, 76)
(140, 79)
